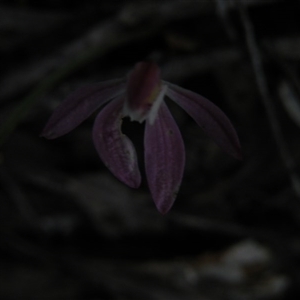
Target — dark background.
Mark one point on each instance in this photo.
(70, 230)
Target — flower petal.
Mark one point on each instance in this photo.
(164, 159)
(209, 117)
(80, 105)
(156, 104)
(115, 148)
(143, 88)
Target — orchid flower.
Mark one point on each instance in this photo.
(140, 96)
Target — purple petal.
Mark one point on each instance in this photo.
(114, 148)
(143, 87)
(209, 117)
(80, 105)
(164, 159)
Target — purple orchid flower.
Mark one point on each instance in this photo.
(140, 96)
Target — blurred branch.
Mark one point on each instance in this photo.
(223, 7)
(98, 42)
(22, 204)
(28, 21)
(287, 68)
(104, 37)
(130, 17)
(18, 25)
(256, 59)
